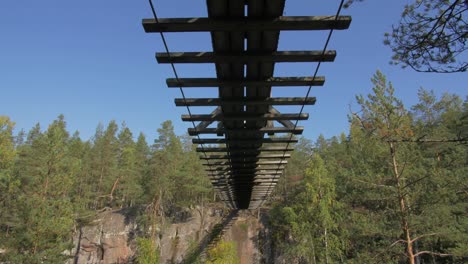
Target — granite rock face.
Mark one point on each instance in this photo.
(186, 233)
(108, 239)
(111, 238)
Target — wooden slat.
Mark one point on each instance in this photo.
(266, 149)
(263, 101)
(246, 24)
(244, 174)
(245, 179)
(243, 183)
(257, 170)
(245, 166)
(218, 163)
(269, 130)
(273, 81)
(237, 176)
(244, 140)
(268, 156)
(245, 116)
(246, 57)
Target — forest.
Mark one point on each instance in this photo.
(391, 189)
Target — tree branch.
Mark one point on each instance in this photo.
(432, 253)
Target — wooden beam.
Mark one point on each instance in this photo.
(244, 179)
(260, 101)
(244, 172)
(246, 24)
(269, 176)
(245, 116)
(205, 124)
(296, 131)
(238, 171)
(271, 125)
(267, 156)
(246, 57)
(243, 141)
(255, 189)
(247, 167)
(228, 163)
(273, 81)
(284, 122)
(242, 183)
(223, 149)
(247, 174)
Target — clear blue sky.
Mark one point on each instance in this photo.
(92, 62)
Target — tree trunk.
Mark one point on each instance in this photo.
(96, 203)
(111, 195)
(326, 246)
(403, 207)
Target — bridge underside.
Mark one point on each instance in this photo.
(246, 160)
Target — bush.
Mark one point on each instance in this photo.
(224, 253)
(147, 252)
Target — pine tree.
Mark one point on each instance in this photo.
(104, 166)
(127, 184)
(47, 209)
(9, 184)
(307, 223)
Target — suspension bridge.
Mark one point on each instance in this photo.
(245, 157)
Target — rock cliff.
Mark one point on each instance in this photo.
(111, 237)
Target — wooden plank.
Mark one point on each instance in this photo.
(240, 171)
(220, 132)
(244, 180)
(240, 166)
(243, 141)
(269, 176)
(245, 116)
(260, 101)
(228, 163)
(272, 81)
(257, 189)
(267, 156)
(246, 175)
(246, 24)
(246, 57)
(243, 183)
(250, 180)
(223, 149)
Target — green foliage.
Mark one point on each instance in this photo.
(52, 182)
(350, 186)
(340, 200)
(176, 171)
(430, 37)
(307, 223)
(223, 253)
(147, 251)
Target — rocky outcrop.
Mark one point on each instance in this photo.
(111, 237)
(187, 233)
(108, 239)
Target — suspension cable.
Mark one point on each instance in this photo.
(308, 91)
(166, 47)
